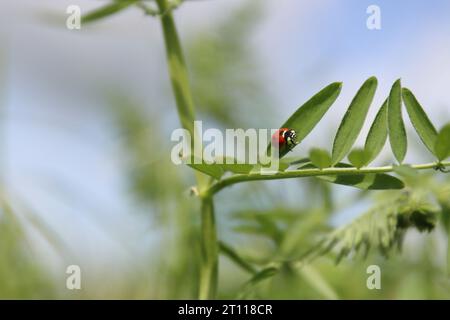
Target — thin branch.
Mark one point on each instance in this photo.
(186, 112)
(314, 173)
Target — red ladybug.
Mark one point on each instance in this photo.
(286, 138)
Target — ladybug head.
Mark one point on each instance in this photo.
(286, 138)
(290, 135)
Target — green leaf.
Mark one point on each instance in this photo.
(442, 146)
(358, 157)
(424, 128)
(365, 181)
(311, 112)
(368, 181)
(282, 165)
(230, 164)
(213, 170)
(300, 161)
(320, 158)
(107, 10)
(378, 134)
(353, 120)
(220, 166)
(397, 133)
(237, 168)
(382, 227)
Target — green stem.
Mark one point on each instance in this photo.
(209, 266)
(238, 178)
(177, 68)
(186, 112)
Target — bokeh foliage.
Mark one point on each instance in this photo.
(286, 245)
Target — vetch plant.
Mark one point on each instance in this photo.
(382, 227)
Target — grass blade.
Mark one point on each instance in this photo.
(353, 120)
(262, 275)
(107, 10)
(378, 133)
(311, 112)
(424, 128)
(397, 133)
(235, 257)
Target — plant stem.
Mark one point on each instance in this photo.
(238, 178)
(209, 267)
(177, 68)
(186, 112)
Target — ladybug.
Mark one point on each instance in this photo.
(285, 138)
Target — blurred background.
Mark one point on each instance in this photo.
(86, 117)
